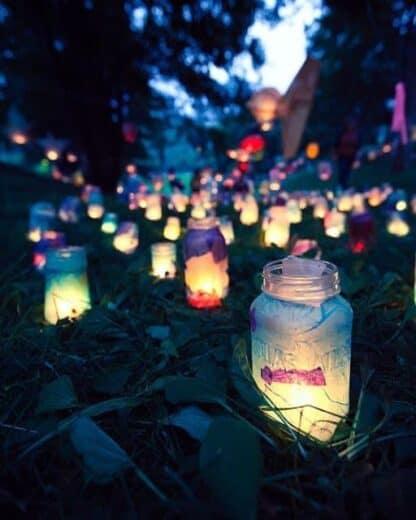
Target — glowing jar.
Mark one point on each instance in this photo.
(324, 170)
(320, 208)
(70, 209)
(361, 228)
(126, 239)
(294, 212)
(301, 345)
(277, 227)
(249, 211)
(198, 211)
(334, 223)
(345, 202)
(95, 209)
(109, 223)
(41, 218)
(172, 229)
(67, 293)
(227, 230)
(206, 263)
(413, 204)
(179, 202)
(163, 259)
(375, 197)
(153, 207)
(396, 225)
(49, 240)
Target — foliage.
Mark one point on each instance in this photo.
(146, 407)
(80, 69)
(368, 46)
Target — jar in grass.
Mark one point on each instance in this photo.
(67, 292)
(206, 263)
(301, 345)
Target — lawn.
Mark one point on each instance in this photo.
(146, 407)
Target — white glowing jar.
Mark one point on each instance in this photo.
(227, 230)
(163, 259)
(41, 219)
(301, 345)
(153, 207)
(109, 223)
(334, 223)
(95, 209)
(396, 225)
(294, 212)
(249, 211)
(172, 229)
(126, 239)
(67, 292)
(320, 208)
(277, 227)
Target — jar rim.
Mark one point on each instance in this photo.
(303, 287)
(202, 223)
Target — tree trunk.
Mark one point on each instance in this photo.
(103, 146)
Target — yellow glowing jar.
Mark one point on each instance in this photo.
(320, 208)
(277, 227)
(238, 202)
(301, 345)
(95, 209)
(198, 211)
(334, 223)
(396, 225)
(375, 197)
(126, 239)
(163, 259)
(249, 211)
(109, 223)
(153, 207)
(206, 263)
(172, 229)
(227, 230)
(67, 293)
(41, 219)
(345, 202)
(179, 202)
(294, 212)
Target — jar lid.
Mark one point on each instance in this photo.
(202, 223)
(301, 280)
(66, 259)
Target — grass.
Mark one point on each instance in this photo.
(87, 408)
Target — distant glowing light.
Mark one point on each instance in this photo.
(52, 155)
(71, 157)
(18, 138)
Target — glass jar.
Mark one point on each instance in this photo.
(42, 217)
(206, 263)
(49, 240)
(301, 342)
(163, 259)
(67, 292)
(126, 239)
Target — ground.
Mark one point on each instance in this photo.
(86, 408)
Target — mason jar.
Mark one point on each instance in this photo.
(67, 292)
(206, 263)
(301, 344)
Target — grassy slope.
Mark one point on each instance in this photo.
(111, 354)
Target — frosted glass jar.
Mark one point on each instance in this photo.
(301, 344)
(67, 292)
(206, 263)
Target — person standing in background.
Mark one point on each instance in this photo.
(346, 149)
